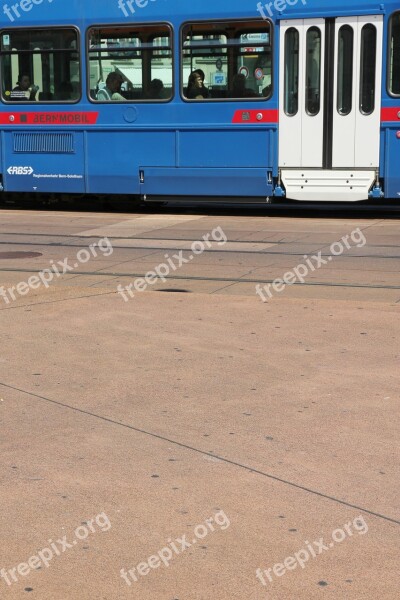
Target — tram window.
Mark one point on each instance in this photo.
(291, 72)
(394, 58)
(40, 65)
(368, 69)
(141, 56)
(345, 71)
(227, 61)
(313, 71)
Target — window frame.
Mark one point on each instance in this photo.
(147, 25)
(42, 102)
(388, 56)
(225, 22)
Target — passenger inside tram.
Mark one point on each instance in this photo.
(195, 89)
(203, 77)
(155, 91)
(24, 90)
(112, 90)
(239, 89)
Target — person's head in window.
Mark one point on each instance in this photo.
(239, 85)
(114, 82)
(205, 91)
(24, 82)
(24, 90)
(195, 89)
(156, 89)
(201, 73)
(112, 89)
(239, 89)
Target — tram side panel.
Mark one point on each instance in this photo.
(114, 158)
(43, 161)
(217, 162)
(391, 160)
(152, 158)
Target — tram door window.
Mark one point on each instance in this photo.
(313, 71)
(394, 56)
(142, 55)
(368, 69)
(236, 59)
(330, 97)
(46, 60)
(345, 70)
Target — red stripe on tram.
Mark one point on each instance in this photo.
(48, 118)
(390, 114)
(256, 116)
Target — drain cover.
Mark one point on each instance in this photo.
(4, 255)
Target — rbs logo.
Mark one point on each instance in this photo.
(20, 170)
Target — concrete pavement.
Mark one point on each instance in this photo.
(216, 433)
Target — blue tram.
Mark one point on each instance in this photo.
(296, 99)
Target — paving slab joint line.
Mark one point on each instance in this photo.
(205, 453)
(216, 279)
(65, 299)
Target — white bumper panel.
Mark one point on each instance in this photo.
(309, 185)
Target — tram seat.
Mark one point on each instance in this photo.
(215, 92)
(129, 95)
(133, 94)
(218, 92)
(43, 96)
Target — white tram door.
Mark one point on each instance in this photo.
(330, 104)
(301, 119)
(357, 92)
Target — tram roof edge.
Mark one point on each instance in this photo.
(330, 12)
